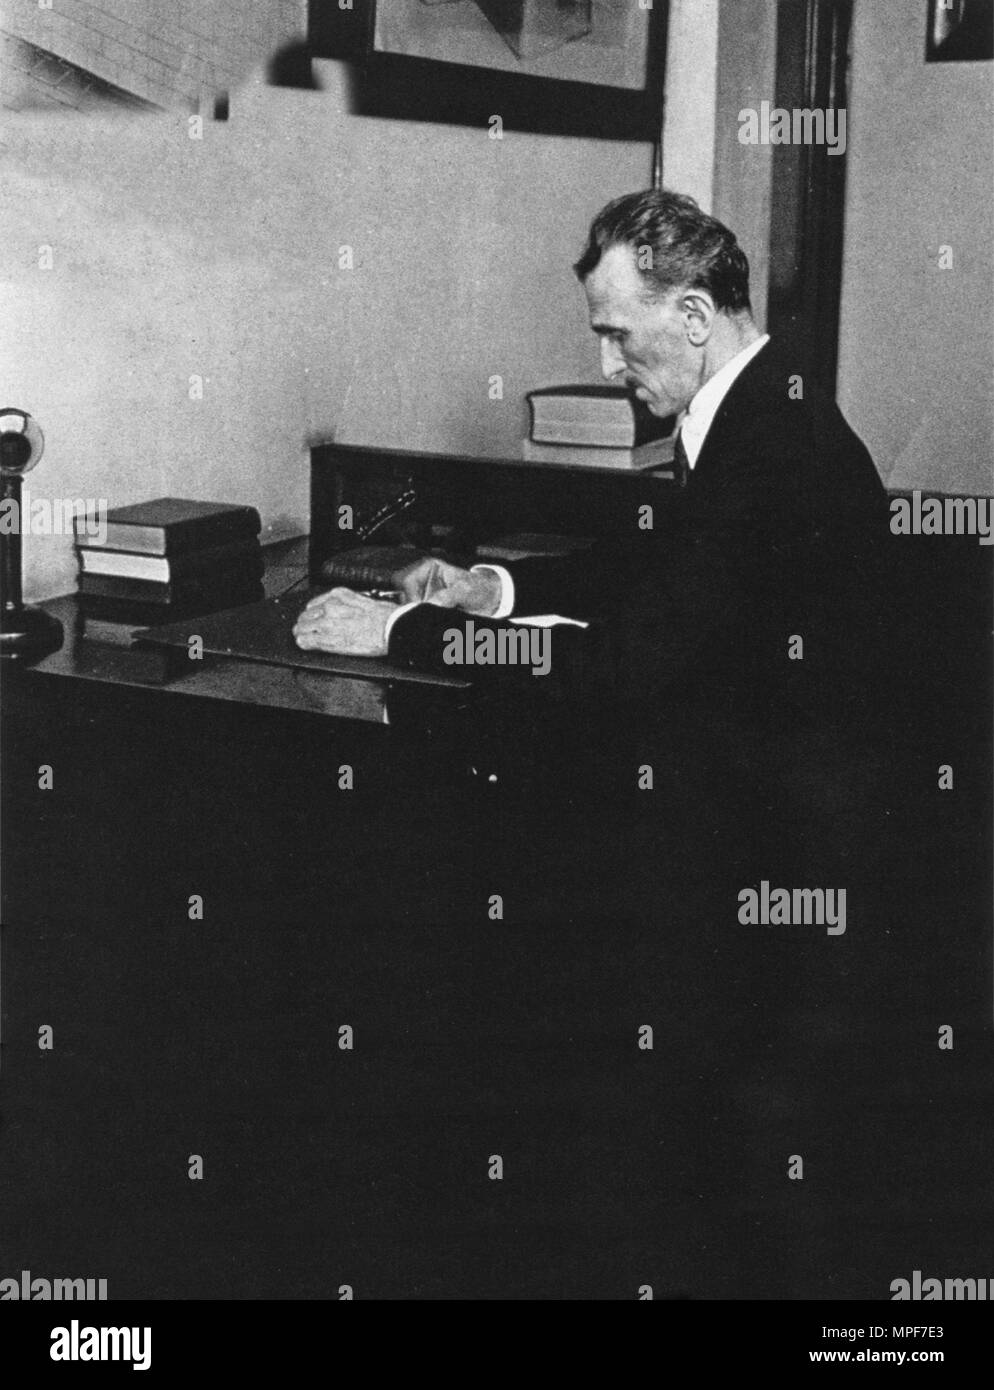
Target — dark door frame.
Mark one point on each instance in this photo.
(807, 220)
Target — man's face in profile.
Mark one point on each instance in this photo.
(644, 341)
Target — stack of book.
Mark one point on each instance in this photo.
(155, 562)
(598, 426)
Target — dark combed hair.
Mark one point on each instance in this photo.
(689, 249)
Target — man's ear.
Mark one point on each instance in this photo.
(698, 311)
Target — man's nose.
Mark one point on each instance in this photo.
(612, 361)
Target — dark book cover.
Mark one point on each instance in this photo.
(148, 597)
(194, 586)
(145, 615)
(172, 526)
(369, 566)
(195, 566)
(586, 390)
(165, 569)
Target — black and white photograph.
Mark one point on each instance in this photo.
(497, 588)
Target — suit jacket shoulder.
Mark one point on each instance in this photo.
(779, 444)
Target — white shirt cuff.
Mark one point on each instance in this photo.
(504, 609)
(506, 606)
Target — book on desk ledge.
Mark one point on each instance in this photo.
(657, 454)
(594, 417)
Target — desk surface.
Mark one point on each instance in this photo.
(225, 678)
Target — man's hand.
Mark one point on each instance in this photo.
(448, 586)
(344, 622)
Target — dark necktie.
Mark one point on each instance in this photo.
(681, 463)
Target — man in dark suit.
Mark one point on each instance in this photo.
(760, 548)
(729, 653)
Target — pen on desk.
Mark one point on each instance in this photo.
(429, 579)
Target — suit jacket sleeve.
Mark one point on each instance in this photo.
(661, 612)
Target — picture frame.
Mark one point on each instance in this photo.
(960, 31)
(539, 65)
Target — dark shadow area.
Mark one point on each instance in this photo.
(291, 67)
(515, 1036)
(963, 35)
(417, 89)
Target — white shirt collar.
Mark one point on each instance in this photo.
(699, 415)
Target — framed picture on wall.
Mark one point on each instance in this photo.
(960, 31)
(591, 67)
